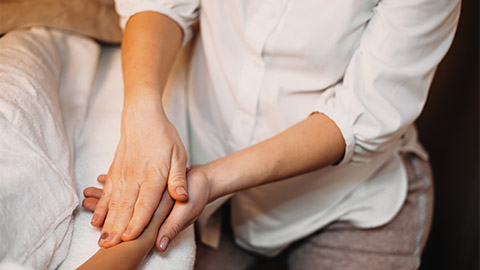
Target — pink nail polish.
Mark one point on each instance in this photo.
(110, 237)
(164, 243)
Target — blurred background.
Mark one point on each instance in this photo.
(449, 130)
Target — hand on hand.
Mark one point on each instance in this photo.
(183, 213)
(149, 154)
(93, 194)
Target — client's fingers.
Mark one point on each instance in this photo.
(90, 203)
(145, 206)
(92, 192)
(102, 178)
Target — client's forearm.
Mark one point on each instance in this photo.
(126, 255)
(314, 143)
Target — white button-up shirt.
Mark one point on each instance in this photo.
(259, 67)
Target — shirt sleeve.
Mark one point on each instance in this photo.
(183, 12)
(386, 83)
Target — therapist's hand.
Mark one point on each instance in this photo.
(183, 214)
(149, 154)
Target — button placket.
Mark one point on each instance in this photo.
(252, 75)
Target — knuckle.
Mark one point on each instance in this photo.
(125, 205)
(176, 178)
(113, 204)
(105, 193)
(118, 229)
(182, 157)
(129, 171)
(107, 226)
(175, 228)
(142, 205)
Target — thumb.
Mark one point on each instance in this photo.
(175, 223)
(177, 180)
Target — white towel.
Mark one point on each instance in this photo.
(94, 153)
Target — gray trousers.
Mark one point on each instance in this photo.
(395, 245)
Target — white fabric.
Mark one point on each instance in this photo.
(46, 81)
(261, 66)
(184, 12)
(7, 265)
(95, 149)
(37, 189)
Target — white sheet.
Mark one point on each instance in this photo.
(37, 189)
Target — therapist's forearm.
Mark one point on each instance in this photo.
(149, 47)
(312, 144)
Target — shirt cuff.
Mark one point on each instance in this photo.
(142, 7)
(345, 127)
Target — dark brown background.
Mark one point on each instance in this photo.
(449, 129)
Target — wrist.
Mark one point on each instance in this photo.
(208, 172)
(217, 185)
(138, 105)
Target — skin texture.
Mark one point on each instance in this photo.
(150, 152)
(312, 144)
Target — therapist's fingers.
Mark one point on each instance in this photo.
(177, 178)
(102, 206)
(166, 204)
(146, 204)
(113, 205)
(179, 219)
(124, 212)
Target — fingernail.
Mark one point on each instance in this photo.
(110, 237)
(127, 232)
(181, 191)
(164, 243)
(95, 217)
(104, 235)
